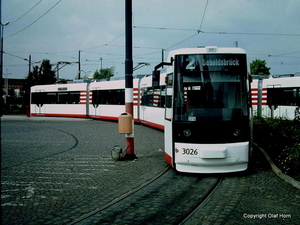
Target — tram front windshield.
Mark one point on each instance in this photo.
(210, 88)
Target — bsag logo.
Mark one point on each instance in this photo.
(220, 62)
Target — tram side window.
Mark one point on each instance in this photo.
(56, 98)
(62, 98)
(154, 97)
(68, 97)
(284, 96)
(50, 98)
(147, 98)
(162, 101)
(109, 97)
(169, 83)
(169, 101)
(119, 97)
(75, 97)
(96, 97)
(291, 96)
(38, 98)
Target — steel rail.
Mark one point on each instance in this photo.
(124, 196)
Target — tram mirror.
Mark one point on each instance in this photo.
(155, 78)
(167, 80)
(250, 79)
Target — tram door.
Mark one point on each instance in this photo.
(168, 134)
(95, 111)
(38, 109)
(38, 98)
(272, 100)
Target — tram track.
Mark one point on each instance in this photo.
(168, 198)
(201, 203)
(117, 200)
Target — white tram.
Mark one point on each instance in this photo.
(202, 103)
(208, 110)
(276, 96)
(68, 100)
(101, 100)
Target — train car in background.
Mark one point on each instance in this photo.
(101, 100)
(108, 99)
(151, 108)
(276, 96)
(67, 100)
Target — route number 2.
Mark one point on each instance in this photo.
(192, 63)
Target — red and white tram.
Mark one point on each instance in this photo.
(208, 110)
(277, 96)
(101, 100)
(68, 100)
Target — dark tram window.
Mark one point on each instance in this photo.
(283, 96)
(154, 97)
(109, 97)
(50, 98)
(74, 97)
(56, 98)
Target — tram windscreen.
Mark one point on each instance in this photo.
(210, 87)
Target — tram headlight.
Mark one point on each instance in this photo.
(187, 132)
(237, 132)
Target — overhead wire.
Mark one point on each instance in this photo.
(25, 13)
(164, 28)
(14, 55)
(35, 20)
(104, 44)
(182, 41)
(249, 33)
(203, 16)
(19, 57)
(217, 32)
(160, 28)
(198, 31)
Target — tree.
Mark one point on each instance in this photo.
(32, 78)
(258, 67)
(105, 73)
(40, 75)
(46, 74)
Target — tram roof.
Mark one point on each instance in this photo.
(207, 50)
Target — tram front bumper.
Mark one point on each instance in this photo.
(211, 158)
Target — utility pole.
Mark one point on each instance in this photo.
(29, 66)
(57, 73)
(162, 56)
(100, 64)
(128, 78)
(79, 69)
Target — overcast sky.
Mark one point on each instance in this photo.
(58, 29)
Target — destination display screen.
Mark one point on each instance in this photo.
(210, 87)
(211, 62)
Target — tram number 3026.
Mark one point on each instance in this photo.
(189, 151)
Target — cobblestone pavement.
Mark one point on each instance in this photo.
(258, 197)
(54, 170)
